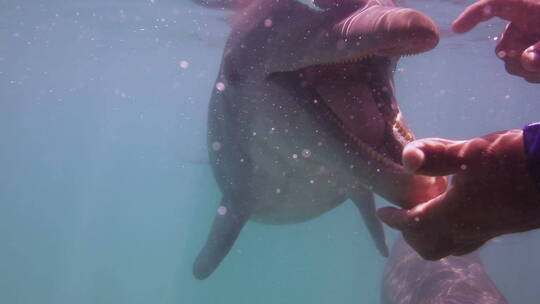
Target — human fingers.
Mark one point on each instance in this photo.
(434, 156)
(422, 228)
(520, 52)
(431, 244)
(486, 9)
(530, 58)
(466, 249)
(515, 67)
(395, 218)
(412, 219)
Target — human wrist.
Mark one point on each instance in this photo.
(531, 144)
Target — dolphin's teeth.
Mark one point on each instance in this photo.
(404, 133)
(349, 60)
(365, 147)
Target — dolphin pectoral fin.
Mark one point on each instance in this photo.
(228, 222)
(365, 202)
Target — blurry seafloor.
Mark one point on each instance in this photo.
(105, 191)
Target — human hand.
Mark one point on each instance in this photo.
(519, 46)
(491, 193)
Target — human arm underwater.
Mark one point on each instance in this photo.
(495, 187)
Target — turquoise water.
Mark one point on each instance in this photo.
(106, 194)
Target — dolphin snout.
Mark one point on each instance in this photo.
(413, 31)
(392, 31)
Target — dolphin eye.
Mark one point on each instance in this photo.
(311, 4)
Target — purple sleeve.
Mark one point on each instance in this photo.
(531, 139)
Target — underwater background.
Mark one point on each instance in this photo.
(106, 194)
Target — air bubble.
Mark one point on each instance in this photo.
(222, 210)
(268, 22)
(306, 153)
(220, 86)
(184, 64)
(216, 146)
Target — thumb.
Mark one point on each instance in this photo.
(433, 156)
(394, 217)
(530, 58)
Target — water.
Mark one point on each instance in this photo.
(105, 190)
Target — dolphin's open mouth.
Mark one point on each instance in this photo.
(357, 96)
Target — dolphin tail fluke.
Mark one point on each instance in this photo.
(366, 205)
(227, 225)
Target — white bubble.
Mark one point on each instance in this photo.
(184, 64)
(507, 96)
(295, 156)
(312, 182)
(268, 22)
(216, 146)
(306, 153)
(501, 54)
(463, 167)
(278, 191)
(220, 86)
(222, 210)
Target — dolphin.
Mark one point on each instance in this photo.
(409, 279)
(303, 114)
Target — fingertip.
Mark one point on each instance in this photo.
(472, 16)
(530, 58)
(458, 27)
(413, 157)
(393, 217)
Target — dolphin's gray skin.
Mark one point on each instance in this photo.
(409, 279)
(303, 115)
